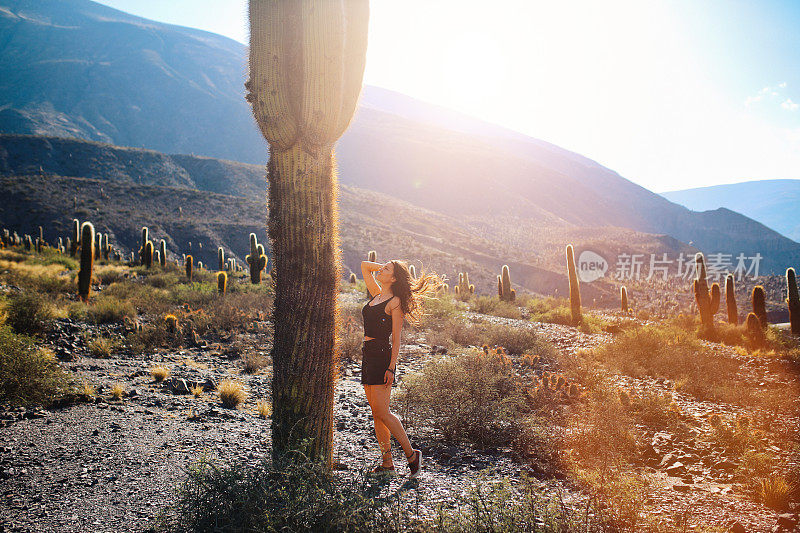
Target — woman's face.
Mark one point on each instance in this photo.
(386, 273)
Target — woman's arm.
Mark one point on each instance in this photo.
(367, 269)
(397, 327)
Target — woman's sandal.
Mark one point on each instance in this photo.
(380, 470)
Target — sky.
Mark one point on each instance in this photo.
(671, 94)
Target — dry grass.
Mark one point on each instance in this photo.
(254, 362)
(102, 347)
(117, 391)
(231, 393)
(88, 390)
(775, 492)
(197, 391)
(159, 373)
(264, 408)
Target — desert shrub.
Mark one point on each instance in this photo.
(653, 409)
(471, 397)
(775, 492)
(107, 309)
(108, 274)
(491, 305)
(102, 346)
(28, 375)
(254, 362)
(264, 409)
(516, 340)
(117, 391)
(736, 437)
(549, 309)
(305, 496)
(231, 393)
(29, 313)
(159, 373)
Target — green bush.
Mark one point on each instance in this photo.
(107, 309)
(29, 313)
(28, 375)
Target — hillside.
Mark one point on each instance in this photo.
(135, 82)
(774, 203)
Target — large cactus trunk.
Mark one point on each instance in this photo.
(306, 67)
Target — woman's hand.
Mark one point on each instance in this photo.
(388, 378)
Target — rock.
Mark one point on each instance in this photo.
(724, 464)
(736, 527)
(178, 386)
(133, 393)
(676, 469)
(786, 522)
(681, 487)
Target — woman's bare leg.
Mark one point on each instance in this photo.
(382, 432)
(380, 409)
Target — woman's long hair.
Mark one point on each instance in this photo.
(412, 290)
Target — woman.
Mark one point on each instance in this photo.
(395, 294)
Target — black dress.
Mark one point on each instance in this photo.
(376, 354)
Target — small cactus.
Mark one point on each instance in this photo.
(157, 257)
(623, 296)
(793, 301)
(222, 282)
(505, 284)
(412, 271)
(256, 259)
(730, 300)
(87, 261)
(106, 247)
(574, 287)
(188, 264)
(353, 278)
(171, 323)
(145, 239)
(759, 301)
(755, 329)
(702, 295)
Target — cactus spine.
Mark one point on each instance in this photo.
(222, 282)
(730, 300)
(306, 68)
(574, 287)
(759, 301)
(188, 264)
(87, 261)
(257, 260)
(162, 248)
(793, 301)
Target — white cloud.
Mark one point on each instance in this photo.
(788, 104)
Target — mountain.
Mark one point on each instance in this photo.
(74, 68)
(774, 203)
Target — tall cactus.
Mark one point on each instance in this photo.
(87, 261)
(506, 281)
(106, 247)
(730, 300)
(147, 256)
(76, 238)
(574, 287)
(188, 264)
(702, 295)
(162, 248)
(257, 260)
(145, 238)
(220, 258)
(306, 66)
(759, 302)
(793, 301)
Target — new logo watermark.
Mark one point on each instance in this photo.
(593, 266)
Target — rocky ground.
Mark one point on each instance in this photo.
(112, 465)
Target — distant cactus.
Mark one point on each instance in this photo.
(39, 244)
(60, 245)
(28, 243)
(162, 247)
(730, 300)
(76, 238)
(170, 321)
(87, 261)
(793, 301)
(157, 257)
(412, 271)
(513, 295)
(41, 235)
(221, 259)
(98, 245)
(505, 278)
(106, 247)
(147, 257)
(574, 287)
(500, 287)
(759, 302)
(702, 295)
(353, 278)
(188, 265)
(716, 297)
(199, 265)
(623, 296)
(145, 239)
(256, 259)
(222, 282)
